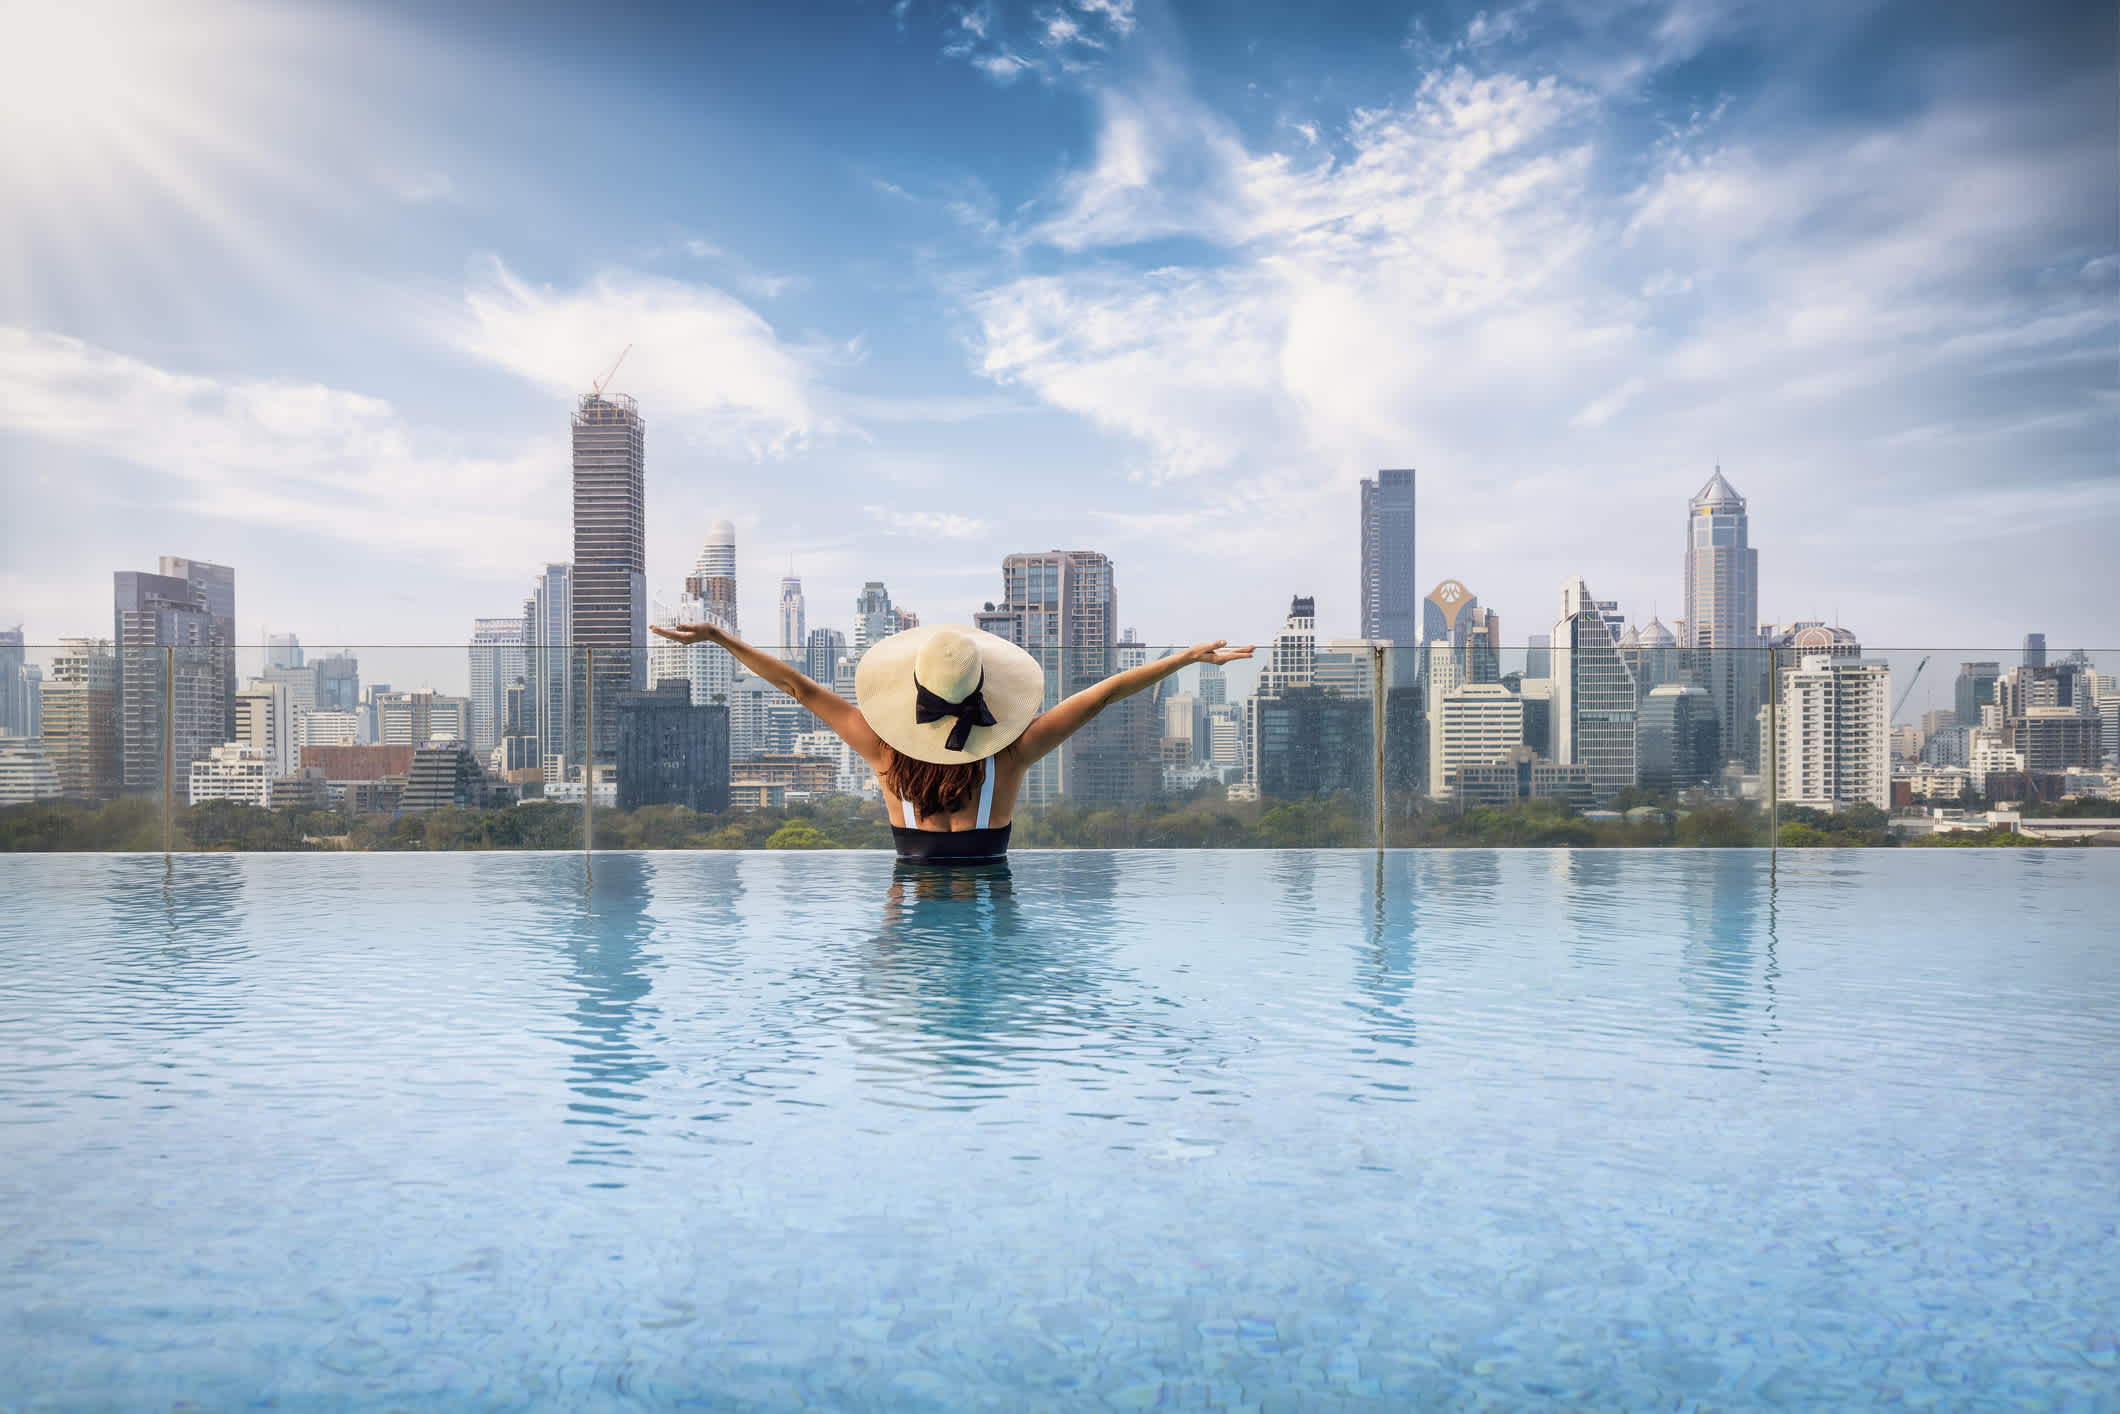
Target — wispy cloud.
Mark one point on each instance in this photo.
(307, 459)
(699, 356)
(948, 524)
(1065, 37)
(1493, 278)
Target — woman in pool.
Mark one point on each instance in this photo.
(948, 717)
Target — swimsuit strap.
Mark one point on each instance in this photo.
(986, 797)
(986, 802)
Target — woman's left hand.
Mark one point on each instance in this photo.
(1217, 652)
(687, 633)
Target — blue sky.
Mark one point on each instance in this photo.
(310, 289)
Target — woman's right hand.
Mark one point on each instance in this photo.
(689, 633)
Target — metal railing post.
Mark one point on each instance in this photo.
(1377, 718)
(589, 762)
(169, 750)
(1773, 758)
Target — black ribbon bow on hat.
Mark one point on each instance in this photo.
(972, 712)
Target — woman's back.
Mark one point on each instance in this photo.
(999, 806)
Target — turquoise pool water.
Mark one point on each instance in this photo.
(1248, 1130)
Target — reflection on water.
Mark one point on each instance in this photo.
(1091, 1130)
(1723, 907)
(176, 945)
(1385, 970)
(970, 988)
(608, 958)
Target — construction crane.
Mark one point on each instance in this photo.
(597, 388)
(1902, 705)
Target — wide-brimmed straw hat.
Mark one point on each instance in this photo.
(948, 694)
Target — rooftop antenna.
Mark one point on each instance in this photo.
(596, 389)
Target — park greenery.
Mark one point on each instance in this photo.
(1205, 819)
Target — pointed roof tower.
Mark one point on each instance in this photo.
(1718, 492)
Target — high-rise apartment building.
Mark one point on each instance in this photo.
(1720, 631)
(1831, 738)
(1062, 608)
(1595, 704)
(498, 662)
(1390, 596)
(172, 650)
(610, 587)
(1214, 685)
(80, 719)
(794, 622)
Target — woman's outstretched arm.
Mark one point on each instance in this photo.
(1049, 728)
(831, 709)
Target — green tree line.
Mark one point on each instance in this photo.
(1204, 820)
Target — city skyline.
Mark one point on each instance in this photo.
(1144, 253)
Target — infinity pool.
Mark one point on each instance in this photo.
(1110, 1130)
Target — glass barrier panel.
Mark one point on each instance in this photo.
(1593, 741)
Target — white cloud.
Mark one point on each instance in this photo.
(944, 523)
(302, 458)
(1465, 288)
(1069, 34)
(700, 357)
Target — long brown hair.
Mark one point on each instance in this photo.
(932, 788)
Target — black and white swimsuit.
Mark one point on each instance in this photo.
(982, 844)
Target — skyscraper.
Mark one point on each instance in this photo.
(1446, 611)
(14, 704)
(154, 614)
(794, 628)
(713, 578)
(215, 586)
(498, 662)
(2035, 650)
(1390, 598)
(1720, 632)
(1061, 607)
(822, 650)
(1594, 700)
(1291, 660)
(1974, 690)
(548, 630)
(339, 683)
(610, 588)
(874, 618)
(283, 650)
